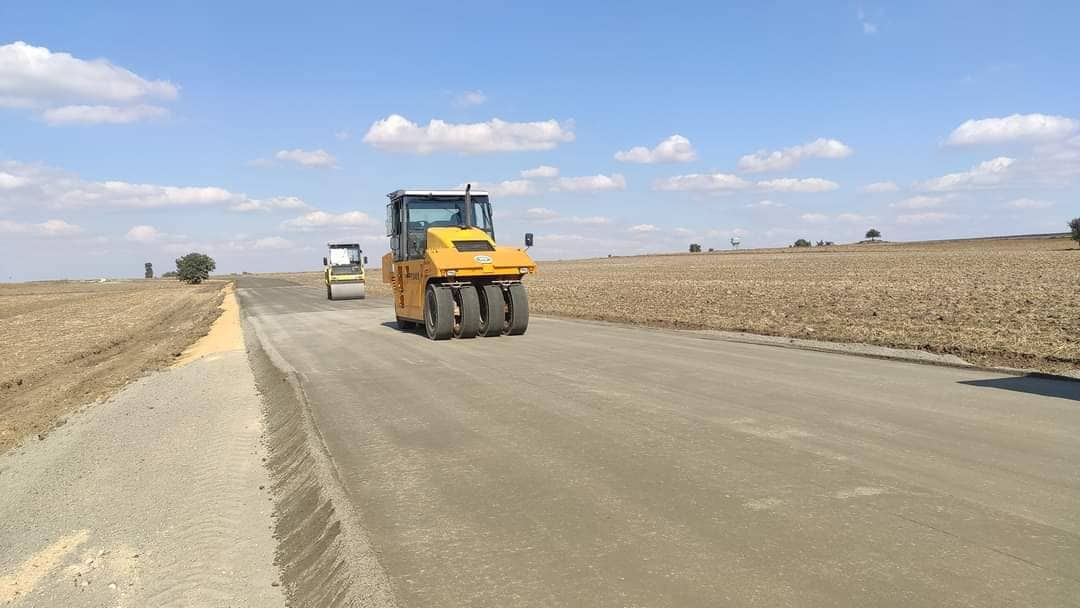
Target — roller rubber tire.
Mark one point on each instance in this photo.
(517, 310)
(468, 322)
(492, 310)
(438, 312)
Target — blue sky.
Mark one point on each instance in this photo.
(133, 132)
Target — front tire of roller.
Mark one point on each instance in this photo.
(439, 312)
(492, 310)
(467, 323)
(517, 310)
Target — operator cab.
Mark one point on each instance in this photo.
(344, 258)
(411, 212)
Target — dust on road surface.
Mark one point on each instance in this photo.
(587, 464)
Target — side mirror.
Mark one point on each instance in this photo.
(365, 260)
(528, 239)
(324, 262)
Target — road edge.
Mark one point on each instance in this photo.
(323, 550)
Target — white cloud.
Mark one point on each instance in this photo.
(541, 213)
(50, 228)
(879, 187)
(696, 182)
(591, 183)
(342, 135)
(470, 98)
(854, 218)
(36, 185)
(1027, 203)
(1017, 127)
(766, 204)
(508, 188)
(929, 217)
(398, 134)
(640, 228)
(920, 202)
(143, 234)
(868, 28)
(779, 160)
(10, 182)
(96, 115)
(543, 171)
(986, 174)
(70, 90)
(316, 220)
(270, 204)
(674, 149)
(272, 242)
(308, 158)
(788, 184)
(814, 218)
(592, 220)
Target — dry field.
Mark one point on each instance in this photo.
(67, 343)
(1003, 302)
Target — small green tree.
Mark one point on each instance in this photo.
(873, 233)
(802, 243)
(695, 248)
(194, 267)
(1074, 225)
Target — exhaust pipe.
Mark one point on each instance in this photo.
(468, 206)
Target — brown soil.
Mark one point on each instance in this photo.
(1008, 302)
(69, 343)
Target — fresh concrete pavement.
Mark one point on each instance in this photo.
(587, 464)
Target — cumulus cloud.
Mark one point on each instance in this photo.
(766, 204)
(698, 182)
(1027, 203)
(308, 158)
(780, 160)
(789, 184)
(396, 133)
(640, 228)
(50, 228)
(543, 171)
(36, 185)
(470, 98)
(508, 188)
(854, 217)
(592, 183)
(541, 213)
(318, 220)
(984, 175)
(814, 218)
(342, 135)
(272, 242)
(674, 149)
(879, 187)
(850, 218)
(69, 90)
(1017, 127)
(143, 234)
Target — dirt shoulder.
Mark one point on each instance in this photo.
(69, 343)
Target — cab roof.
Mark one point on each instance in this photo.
(435, 192)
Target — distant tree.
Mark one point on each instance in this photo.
(802, 243)
(711, 250)
(821, 243)
(149, 270)
(1074, 225)
(169, 275)
(194, 267)
(695, 248)
(873, 233)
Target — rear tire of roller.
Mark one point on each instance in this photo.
(439, 312)
(517, 310)
(467, 323)
(492, 310)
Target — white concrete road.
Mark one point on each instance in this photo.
(585, 464)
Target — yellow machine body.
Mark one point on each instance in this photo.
(444, 263)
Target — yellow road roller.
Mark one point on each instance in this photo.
(343, 271)
(445, 269)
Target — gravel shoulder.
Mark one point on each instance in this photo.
(159, 496)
